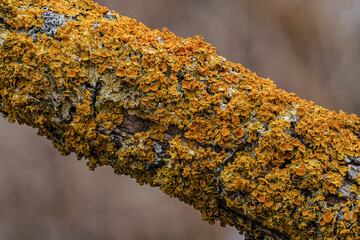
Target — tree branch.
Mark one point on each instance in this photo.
(171, 113)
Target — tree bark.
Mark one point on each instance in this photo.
(171, 113)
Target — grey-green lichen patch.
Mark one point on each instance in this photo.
(51, 22)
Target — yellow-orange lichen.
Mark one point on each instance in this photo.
(213, 88)
(132, 74)
(305, 212)
(269, 202)
(154, 86)
(239, 133)
(294, 192)
(283, 146)
(353, 218)
(77, 118)
(120, 72)
(199, 120)
(71, 73)
(67, 93)
(145, 101)
(186, 85)
(289, 155)
(322, 221)
(300, 170)
(347, 215)
(296, 142)
(225, 131)
(85, 57)
(261, 197)
(235, 120)
(336, 125)
(327, 216)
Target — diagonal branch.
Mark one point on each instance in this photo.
(171, 113)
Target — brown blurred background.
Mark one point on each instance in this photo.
(307, 47)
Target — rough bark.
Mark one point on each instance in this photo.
(171, 113)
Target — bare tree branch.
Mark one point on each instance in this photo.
(171, 113)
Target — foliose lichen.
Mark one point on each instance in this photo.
(172, 113)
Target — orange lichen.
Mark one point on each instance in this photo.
(171, 113)
(336, 125)
(239, 133)
(235, 120)
(296, 142)
(132, 74)
(347, 215)
(294, 192)
(225, 131)
(77, 118)
(327, 216)
(305, 212)
(213, 88)
(71, 73)
(283, 146)
(145, 101)
(269, 202)
(120, 72)
(261, 197)
(85, 57)
(180, 51)
(154, 86)
(353, 218)
(322, 221)
(300, 170)
(67, 93)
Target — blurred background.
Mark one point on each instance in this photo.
(307, 47)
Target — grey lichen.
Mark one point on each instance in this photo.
(109, 16)
(52, 21)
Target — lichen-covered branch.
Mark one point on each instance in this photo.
(171, 113)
